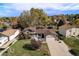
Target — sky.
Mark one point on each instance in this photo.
(15, 9)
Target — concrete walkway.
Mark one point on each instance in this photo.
(56, 48)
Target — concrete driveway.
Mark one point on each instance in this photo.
(56, 48)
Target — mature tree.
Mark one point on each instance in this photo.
(24, 19)
(39, 17)
(34, 17)
(61, 22)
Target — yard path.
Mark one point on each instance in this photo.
(56, 48)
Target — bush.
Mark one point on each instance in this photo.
(4, 27)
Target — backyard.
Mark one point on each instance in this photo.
(20, 48)
(73, 43)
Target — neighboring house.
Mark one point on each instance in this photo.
(68, 30)
(7, 23)
(8, 35)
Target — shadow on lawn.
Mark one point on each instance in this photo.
(29, 47)
(73, 52)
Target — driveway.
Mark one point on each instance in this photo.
(56, 48)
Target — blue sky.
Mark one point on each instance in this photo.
(14, 9)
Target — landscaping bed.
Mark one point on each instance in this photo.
(73, 43)
(21, 48)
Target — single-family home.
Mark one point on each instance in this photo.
(8, 35)
(68, 30)
(39, 33)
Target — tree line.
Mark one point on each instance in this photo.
(37, 17)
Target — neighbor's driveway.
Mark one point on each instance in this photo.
(56, 48)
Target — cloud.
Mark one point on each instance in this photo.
(55, 6)
(14, 9)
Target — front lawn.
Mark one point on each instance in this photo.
(73, 43)
(20, 49)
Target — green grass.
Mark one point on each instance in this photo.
(20, 49)
(1, 26)
(73, 43)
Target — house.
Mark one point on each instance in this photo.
(68, 30)
(7, 23)
(8, 35)
(40, 33)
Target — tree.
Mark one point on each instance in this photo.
(24, 19)
(5, 27)
(61, 22)
(39, 17)
(76, 22)
(34, 17)
(36, 44)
